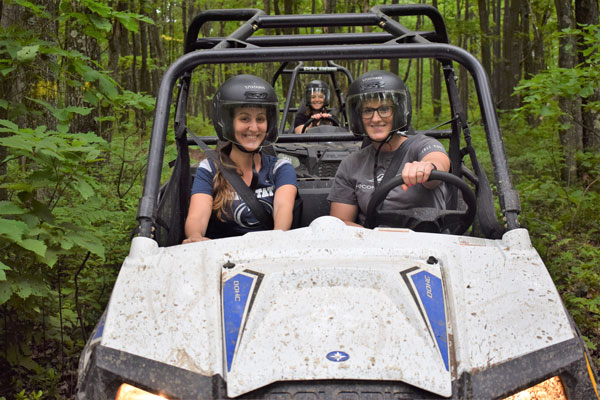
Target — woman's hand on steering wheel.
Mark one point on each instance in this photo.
(319, 118)
(416, 172)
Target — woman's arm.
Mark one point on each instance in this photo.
(283, 207)
(345, 212)
(198, 217)
(419, 171)
(317, 117)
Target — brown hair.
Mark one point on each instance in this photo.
(223, 193)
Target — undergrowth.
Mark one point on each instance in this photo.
(562, 220)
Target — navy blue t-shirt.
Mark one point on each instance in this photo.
(239, 220)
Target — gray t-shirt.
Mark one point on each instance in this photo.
(354, 179)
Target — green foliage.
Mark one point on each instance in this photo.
(542, 92)
(67, 198)
(562, 220)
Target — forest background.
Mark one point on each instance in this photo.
(77, 89)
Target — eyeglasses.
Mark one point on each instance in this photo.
(384, 111)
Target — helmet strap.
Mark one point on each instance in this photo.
(376, 164)
(243, 150)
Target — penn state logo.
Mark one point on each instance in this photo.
(243, 216)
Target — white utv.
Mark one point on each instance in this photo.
(466, 310)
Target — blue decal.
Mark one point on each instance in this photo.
(100, 328)
(235, 296)
(337, 356)
(431, 293)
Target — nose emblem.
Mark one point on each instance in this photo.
(337, 356)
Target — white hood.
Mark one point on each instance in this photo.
(335, 302)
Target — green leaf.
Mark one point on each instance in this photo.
(9, 124)
(586, 91)
(37, 246)
(5, 291)
(17, 142)
(97, 7)
(12, 229)
(129, 23)
(17, 186)
(107, 86)
(10, 208)
(79, 110)
(84, 189)
(42, 211)
(6, 71)
(101, 23)
(3, 267)
(90, 98)
(66, 244)
(91, 244)
(37, 10)
(51, 256)
(546, 111)
(24, 291)
(27, 53)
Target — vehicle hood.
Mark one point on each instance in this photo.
(335, 302)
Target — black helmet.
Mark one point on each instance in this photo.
(317, 86)
(379, 85)
(244, 90)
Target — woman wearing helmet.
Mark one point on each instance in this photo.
(245, 113)
(380, 108)
(317, 96)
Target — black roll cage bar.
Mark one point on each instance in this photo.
(299, 69)
(397, 42)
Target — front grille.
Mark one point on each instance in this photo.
(327, 169)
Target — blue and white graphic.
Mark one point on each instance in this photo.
(430, 290)
(242, 215)
(100, 328)
(337, 356)
(236, 293)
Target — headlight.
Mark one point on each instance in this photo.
(549, 389)
(128, 392)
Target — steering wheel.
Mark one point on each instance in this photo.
(333, 121)
(423, 219)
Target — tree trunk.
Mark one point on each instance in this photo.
(145, 83)
(157, 52)
(497, 51)
(76, 40)
(537, 55)
(511, 56)
(12, 88)
(571, 136)
(484, 26)
(586, 13)
(463, 76)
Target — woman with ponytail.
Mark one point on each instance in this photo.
(245, 114)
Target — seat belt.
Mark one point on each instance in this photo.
(238, 184)
(395, 164)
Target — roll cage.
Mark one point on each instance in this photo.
(394, 41)
(332, 70)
